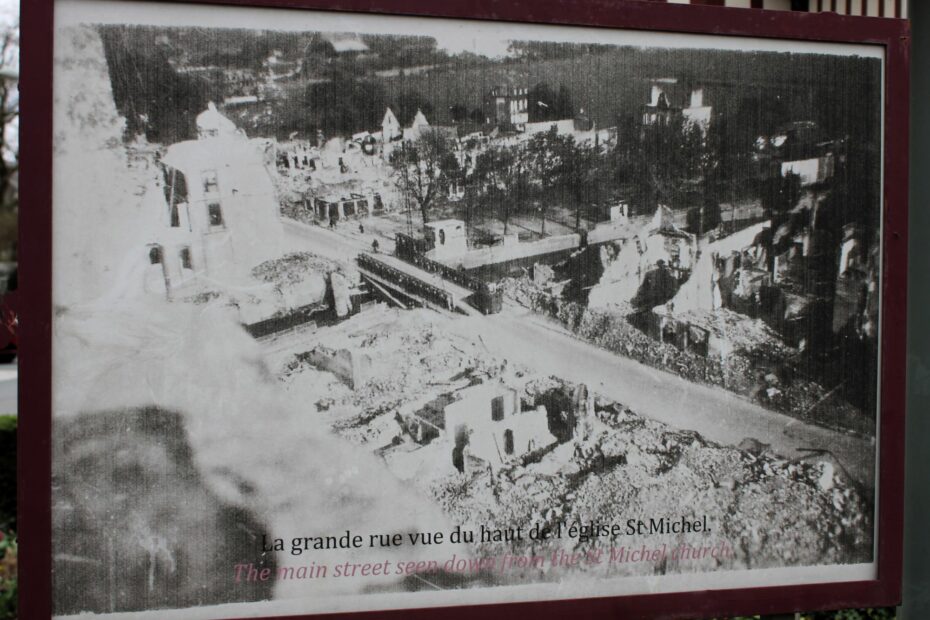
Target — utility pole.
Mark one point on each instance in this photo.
(406, 181)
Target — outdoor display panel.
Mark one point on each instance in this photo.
(357, 308)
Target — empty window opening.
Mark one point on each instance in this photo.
(508, 441)
(210, 183)
(185, 255)
(175, 186)
(215, 213)
(497, 408)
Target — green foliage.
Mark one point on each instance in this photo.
(423, 167)
(549, 155)
(547, 105)
(459, 113)
(505, 172)
(155, 99)
(234, 48)
(674, 161)
(879, 613)
(8, 576)
(9, 228)
(7, 473)
(406, 105)
(343, 105)
(704, 218)
(9, 147)
(781, 194)
(565, 170)
(399, 51)
(549, 50)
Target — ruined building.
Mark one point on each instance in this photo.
(798, 148)
(649, 266)
(482, 425)
(506, 106)
(220, 213)
(669, 103)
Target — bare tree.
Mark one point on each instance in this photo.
(423, 167)
(505, 173)
(9, 140)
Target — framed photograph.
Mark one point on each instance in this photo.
(548, 307)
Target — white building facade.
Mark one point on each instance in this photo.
(220, 216)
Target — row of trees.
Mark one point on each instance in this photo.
(674, 163)
(345, 104)
(549, 168)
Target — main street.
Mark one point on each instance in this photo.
(721, 416)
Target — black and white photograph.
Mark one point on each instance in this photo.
(358, 312)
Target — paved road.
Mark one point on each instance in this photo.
(342, 244)
(8, 388)
(716, 414)
(320, 241)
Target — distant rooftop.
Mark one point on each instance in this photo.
(345, 42)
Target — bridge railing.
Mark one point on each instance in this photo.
(486, 299)
(406, 246)
(406, 282)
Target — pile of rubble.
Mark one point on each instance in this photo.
(292, 269)
(742, 332)
(413, 359)
(619, 466)
(772, 512)
(298, 282)
(524, 291)
(757, 367)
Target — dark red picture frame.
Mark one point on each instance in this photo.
(35, 249)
